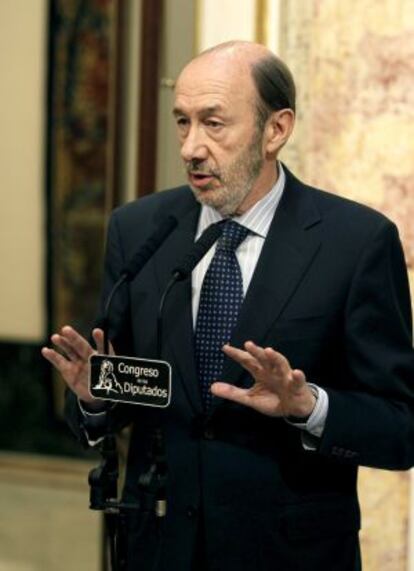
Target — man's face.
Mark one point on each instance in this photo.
(221, 145)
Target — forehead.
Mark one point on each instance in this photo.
(215, 82)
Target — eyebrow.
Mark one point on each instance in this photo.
(205, 112)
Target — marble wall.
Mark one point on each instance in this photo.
(354, 66)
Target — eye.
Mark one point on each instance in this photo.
(213, 124)
(181, 121)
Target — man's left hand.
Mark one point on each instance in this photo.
(278, 389)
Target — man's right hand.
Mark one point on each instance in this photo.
(72, 360)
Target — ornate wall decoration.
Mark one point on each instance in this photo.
(354, 67)
(81, 135)
(82, 159)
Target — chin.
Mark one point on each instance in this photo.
(217, 199)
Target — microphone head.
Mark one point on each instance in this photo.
(200, 248)
(141, 257)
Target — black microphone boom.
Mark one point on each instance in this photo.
(183, 270)
(135, 265)
(141, 257)
(200, 248)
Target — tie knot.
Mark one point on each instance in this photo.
(232, 236)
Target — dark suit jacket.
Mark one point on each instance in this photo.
(330, 292)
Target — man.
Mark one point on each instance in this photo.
(315, 367)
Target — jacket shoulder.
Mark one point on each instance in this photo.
(170, 201)
(338, 212)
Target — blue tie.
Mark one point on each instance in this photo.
(220, 300)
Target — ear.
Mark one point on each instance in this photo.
(278, 129)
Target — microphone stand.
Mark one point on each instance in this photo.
(103, 480)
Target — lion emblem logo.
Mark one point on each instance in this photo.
(107, 379)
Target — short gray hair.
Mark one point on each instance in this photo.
(275, 87)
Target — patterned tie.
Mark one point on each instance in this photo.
(220, 300)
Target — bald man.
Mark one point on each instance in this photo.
(308, 375)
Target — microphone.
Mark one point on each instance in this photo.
(135, 264)
(144, 382)
(184, 269)
(200, 248)
(141, 257)
(128, 379)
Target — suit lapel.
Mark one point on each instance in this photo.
(290, 248)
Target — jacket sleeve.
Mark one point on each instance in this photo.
(372, 423)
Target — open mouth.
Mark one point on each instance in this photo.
(200, 180)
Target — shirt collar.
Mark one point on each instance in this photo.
(258, 218)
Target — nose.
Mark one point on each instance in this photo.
(193, 145)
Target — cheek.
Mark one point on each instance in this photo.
(224, 154)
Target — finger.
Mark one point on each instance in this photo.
(230, 392)
(64, 346)
(78, 343)
(258, 353)
(246, 360)
(65, 368)
(278, 362)
(269, 358)
(56, 359)
(98, 336)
